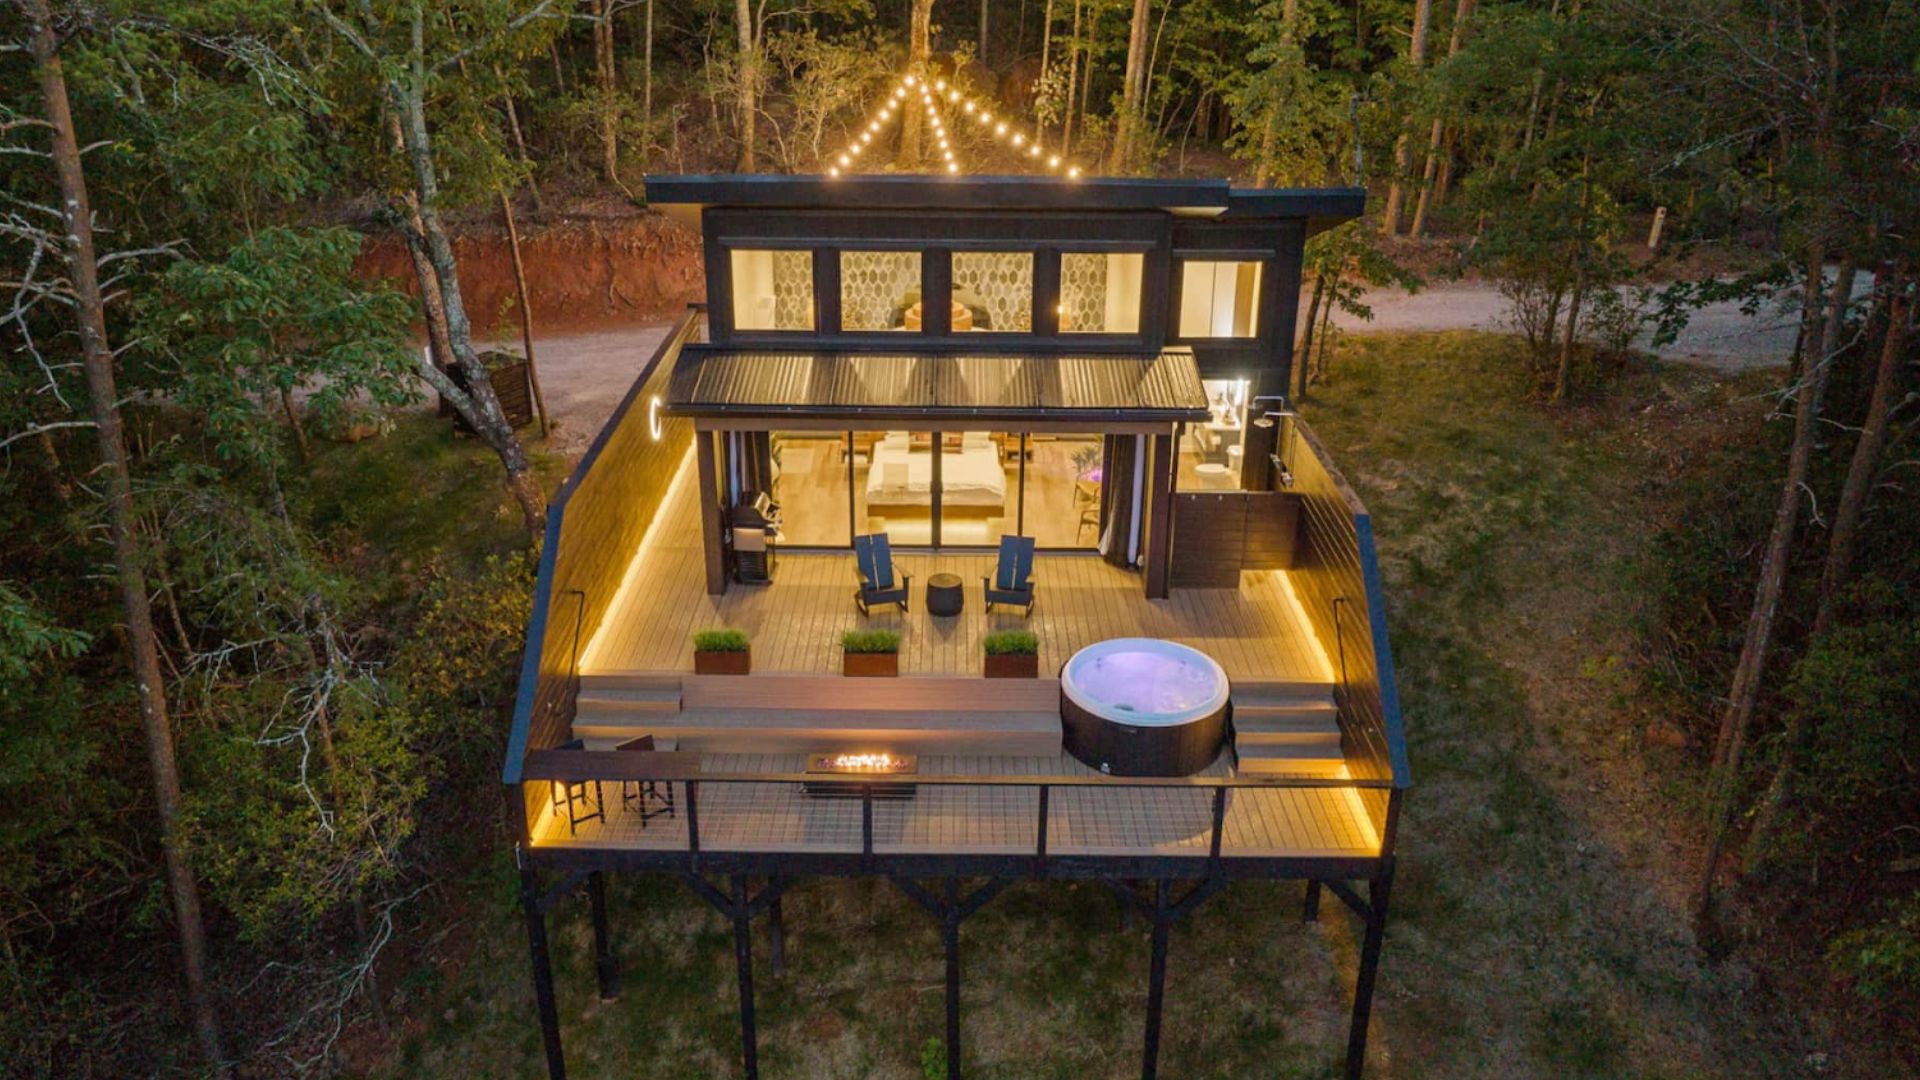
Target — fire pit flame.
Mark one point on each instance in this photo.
(865, 761)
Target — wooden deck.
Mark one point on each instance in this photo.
(986, 820)
(1256, 632)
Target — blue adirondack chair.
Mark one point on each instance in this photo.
(1012, 580)
(873, 562)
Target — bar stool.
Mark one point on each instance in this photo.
(572, 796)
(645, 797)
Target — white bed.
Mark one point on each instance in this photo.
(902, 476)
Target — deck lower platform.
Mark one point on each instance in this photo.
(985, 819)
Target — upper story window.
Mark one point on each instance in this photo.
(772, 290)
(1219, 299)
(993, 291)
(880, 290)
(1100, 292)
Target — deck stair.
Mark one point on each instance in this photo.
(779, 713)
(1286, 728)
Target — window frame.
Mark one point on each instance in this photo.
(1177, 287)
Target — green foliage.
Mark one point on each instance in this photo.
(27, 640)
(460, 662)
(933, 1059)
(281, 316)
(1882, 960)
(871, 641)
(1011, 643)
(728, 640)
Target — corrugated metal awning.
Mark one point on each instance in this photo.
(1162, 387)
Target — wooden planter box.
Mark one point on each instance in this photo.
(1013, 666)
(722, 663)
(869, 664)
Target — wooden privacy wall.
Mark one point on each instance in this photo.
(1337, 579)
(593, 528)
(1218, 534)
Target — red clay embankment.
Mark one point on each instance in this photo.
(583, 273)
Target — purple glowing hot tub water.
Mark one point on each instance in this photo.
(1143, 707)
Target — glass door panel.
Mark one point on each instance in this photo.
(979, 487)
(1063, 490)
(893, 485)
(810, 484)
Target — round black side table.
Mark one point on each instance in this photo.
(945, 595)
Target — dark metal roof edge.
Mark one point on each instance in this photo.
(759, 411)
(1341, 204)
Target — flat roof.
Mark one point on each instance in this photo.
(1196, 198)
(774, 384)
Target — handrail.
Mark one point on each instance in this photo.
(581, 769)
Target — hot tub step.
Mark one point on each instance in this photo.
(1246, 740)
(1291, 760)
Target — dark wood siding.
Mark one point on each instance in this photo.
(1218, 534)
(1337, 578)
(593, 528)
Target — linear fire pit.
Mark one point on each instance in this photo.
(843, 776)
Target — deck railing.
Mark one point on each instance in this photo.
(593, 526)
(1045, 804)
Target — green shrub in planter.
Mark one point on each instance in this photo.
(860, 642)
(1012, 643)
(720, 641)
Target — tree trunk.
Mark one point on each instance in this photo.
(293, 425)
(1133, 87)
(919, 52)
(103, 401)
(1326, 333)
(1073, 77)
(980, 53)
(520, 148)
(526, 314)
(749, 76)
(1046, 58)
(1462, 10)
(1305, 350)
(646, 81)
(477, 403)
(604, 76)
(1563, 375)
(1416, 54)
(1741, 699)
(1847, 515)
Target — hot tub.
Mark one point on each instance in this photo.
(1143, 707)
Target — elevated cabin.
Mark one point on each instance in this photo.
(1095, 368)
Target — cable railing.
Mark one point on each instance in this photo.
(1037, 817)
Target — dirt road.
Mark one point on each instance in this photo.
(585, 374)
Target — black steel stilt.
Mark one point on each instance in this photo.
(605, 964)
(950, 931)
(542, 973)
(1311, 912)
(743, 960)
(1377, 893)
(777, 936)
(1156, 981)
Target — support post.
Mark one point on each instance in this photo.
(1156, 981)
(1160, 516)
(950, 933)
(777, 936)
(743, 961)
(606, 965)
(1311, 911)
(542, 962)
(710, 524)
(1378, 890)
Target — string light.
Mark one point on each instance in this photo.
(933, 94)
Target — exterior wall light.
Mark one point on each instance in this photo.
(654, 427)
